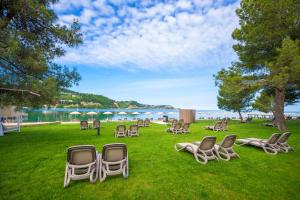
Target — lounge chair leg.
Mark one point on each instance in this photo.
(126, 170)
(201, 157)
(270, 151)
(93, 176)
(178, 149)
(67, 177)
(102, 174)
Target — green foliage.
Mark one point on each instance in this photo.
(264, 24)
(268, 42)
(71, 99)
(235, 94)
(264, 102)
(268, 50)
(30, 38)
(76, 98)
(285, 69)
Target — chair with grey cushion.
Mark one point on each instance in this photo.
(203, 151)
(133, 130)
(113, 161)
(120, 131)
(82, 163)
(84, 125)
(268, 145)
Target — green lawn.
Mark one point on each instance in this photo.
(33, 165)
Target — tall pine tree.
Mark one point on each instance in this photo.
(30, 39)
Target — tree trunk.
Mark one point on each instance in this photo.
(240, 115)
(279, 109)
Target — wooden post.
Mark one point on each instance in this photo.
(188, 115)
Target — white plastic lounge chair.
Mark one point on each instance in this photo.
(96, 124)
(247, 120)
(224, 125)
(146, 122)
(176, 129)
(282, 144)
(4, 128)
(185, 128)
(269, 124)
(140, 123)
(84, 125)
(82, 163)
(203, 152)
(120, 131)
(217, 127)
(224, 150)
(133, 130)
(113, 161)
(174, 122)
(269, 145)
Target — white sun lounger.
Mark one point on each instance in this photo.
(269, 145)
(202, 152)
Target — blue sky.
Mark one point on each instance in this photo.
(155, 52)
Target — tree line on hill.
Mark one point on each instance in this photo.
(71, 99)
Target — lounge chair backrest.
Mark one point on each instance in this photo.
(224, 124)
(228, 141)
(84, 123)
(284, 137)
(181, 121)
(186, 126)
(140, 122)
(121, 128)
(133, 128)
(174, 122)
(218, 125)
(177, 126)
(81, 155)
(114, 152)
(274, 138)
(96, 123)
(207, 143)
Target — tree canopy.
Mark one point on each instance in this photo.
(235, 94)
(268, 50)
(30, 39)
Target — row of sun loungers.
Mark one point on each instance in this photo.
(179, 128)
(276, 143)
(218, 126)
(84, 162)
(207, 149)
(84, 125)
(133, 129)
(122, 132)
(143, 123)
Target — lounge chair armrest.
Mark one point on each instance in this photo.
(113, 163)
(81, 166)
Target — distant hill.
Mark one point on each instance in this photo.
(71, 99)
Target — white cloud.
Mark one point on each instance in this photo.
(87, 15)
(156, 38)
(183, 4)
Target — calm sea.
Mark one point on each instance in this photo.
(63, 114)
